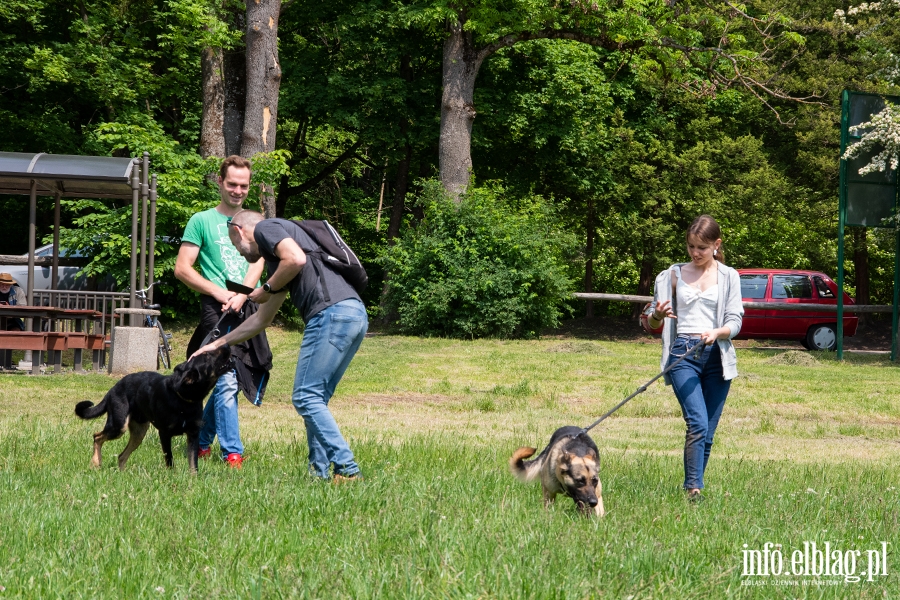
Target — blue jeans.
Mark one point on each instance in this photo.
(701, 392)
(330, 341)
(220, 417)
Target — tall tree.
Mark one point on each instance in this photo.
(706, 46)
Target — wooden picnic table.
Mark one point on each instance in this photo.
(51, 341)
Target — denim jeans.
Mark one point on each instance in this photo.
(220, 417)
(330, 341)
(701, 392)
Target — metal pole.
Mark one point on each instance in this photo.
(152, 255)
(145, 167)
(842, 213)
(896, 295)
(135, 193)
(32, 233)
(54, 271)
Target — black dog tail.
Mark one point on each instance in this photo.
(525, 471)
(87, 410)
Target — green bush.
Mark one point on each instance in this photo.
(490, 267)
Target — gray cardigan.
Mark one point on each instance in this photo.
(729, 313)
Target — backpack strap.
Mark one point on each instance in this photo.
(317, 265)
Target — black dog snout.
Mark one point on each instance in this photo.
(592, 502)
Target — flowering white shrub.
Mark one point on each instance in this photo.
(864, 8)
(884, 129)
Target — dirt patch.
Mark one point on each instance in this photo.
(578, 347)
(794, 358)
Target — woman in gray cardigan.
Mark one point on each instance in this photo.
(699, 303)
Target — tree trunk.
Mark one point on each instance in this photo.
(212, 131)
(263, 77)
(235, 98)
(861, 269)
(263, 83)
(589, 263)
(460, 68)
(400, 189)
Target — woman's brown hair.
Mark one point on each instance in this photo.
(706, 228)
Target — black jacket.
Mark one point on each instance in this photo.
(252, 358)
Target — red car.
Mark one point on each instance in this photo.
(815, 330)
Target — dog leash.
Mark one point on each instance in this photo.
(696, 352)
(215, 333)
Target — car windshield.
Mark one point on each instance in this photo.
(791, 286)
(754, 286)
(47, 251)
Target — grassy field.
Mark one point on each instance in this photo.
(807, 451)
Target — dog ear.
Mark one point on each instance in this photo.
(192, 375)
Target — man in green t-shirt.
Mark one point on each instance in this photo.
(206, 239)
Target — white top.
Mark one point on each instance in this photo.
(696, 309)
(729, 313)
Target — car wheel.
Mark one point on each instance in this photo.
(805, 344)
(821, 337)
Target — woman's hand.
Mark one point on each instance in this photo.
(663, 310)
(709, 337)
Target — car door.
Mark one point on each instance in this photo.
(753, 289)
(790, 289)
(827, 292)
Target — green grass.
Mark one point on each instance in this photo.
(806, 451)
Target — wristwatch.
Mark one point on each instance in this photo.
(268, 288)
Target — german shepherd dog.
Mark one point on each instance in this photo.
(173, 404)
(568, 465)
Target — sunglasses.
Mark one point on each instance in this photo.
(228, 223)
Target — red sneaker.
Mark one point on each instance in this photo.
(204, 453)
(234, 460)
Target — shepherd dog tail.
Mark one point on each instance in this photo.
(86, 409)
(525, 471)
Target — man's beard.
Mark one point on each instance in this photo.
(250, 257)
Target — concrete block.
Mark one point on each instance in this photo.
(134, 349)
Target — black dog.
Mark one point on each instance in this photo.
(173, 403)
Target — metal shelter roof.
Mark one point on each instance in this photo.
(70, 176)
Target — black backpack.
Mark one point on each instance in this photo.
(334, 252)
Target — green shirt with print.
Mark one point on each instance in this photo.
(219, 259)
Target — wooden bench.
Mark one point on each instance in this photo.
(54, 343)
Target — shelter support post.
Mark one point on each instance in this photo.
(32, 233)
(135, 193)
(152, 255)
(54, 269)
(145, 169)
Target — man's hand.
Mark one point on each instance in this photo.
(235, 303)
(207, 348)
(221, 295)
(260, 296)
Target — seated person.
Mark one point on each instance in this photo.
(13, 295)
